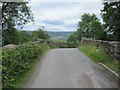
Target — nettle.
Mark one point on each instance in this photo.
(15, 61)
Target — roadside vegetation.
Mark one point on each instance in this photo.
(99, 56)
(17, 63)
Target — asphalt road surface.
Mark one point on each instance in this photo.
(66, 68)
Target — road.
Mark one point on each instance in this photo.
(66, 68)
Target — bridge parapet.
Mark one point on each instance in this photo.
(64, 44)
(111, 47)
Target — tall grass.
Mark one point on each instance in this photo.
(99, 56)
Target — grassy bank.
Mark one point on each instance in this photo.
(100, 56)
(18, 63)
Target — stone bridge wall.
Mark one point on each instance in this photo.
(64, 44)
(59, 44)
(112, 48)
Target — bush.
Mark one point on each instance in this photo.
(17, 60)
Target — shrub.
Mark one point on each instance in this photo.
(17, 60)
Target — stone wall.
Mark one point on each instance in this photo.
(64, 44)
(112, 48)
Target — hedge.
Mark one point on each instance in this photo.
(17, 60)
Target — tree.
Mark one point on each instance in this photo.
(23, 37)
(41, 34)
(10, 36)
(13, 14)
(89, 27)
(72, 38)
(111, 17)
(96, 29)
(83, 25)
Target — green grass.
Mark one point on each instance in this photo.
(23, 78)
(100, 56)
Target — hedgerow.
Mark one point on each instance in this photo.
(17, 60)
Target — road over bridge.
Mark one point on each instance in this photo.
(67, 68)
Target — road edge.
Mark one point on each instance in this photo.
(103, 65)
(113, 76)
(34, 73)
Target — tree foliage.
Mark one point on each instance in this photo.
(72, 38)
(40, 34)
(14, 14)
(89, 27)
(23, 37)
(111, 17)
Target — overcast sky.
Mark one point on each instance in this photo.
(61, 15)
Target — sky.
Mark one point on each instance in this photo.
(61, 15)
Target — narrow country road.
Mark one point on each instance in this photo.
(66, 68)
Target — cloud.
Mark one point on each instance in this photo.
(61, 16)
(53, 22)
(65, 0)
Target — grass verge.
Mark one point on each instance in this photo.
(100, 56)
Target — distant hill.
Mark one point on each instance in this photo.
(61, 35)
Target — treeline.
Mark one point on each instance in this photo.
(91, 27)
(17, 14)
(24, 36)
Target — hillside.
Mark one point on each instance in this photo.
(61, 35)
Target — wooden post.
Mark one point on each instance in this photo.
(97, 45)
